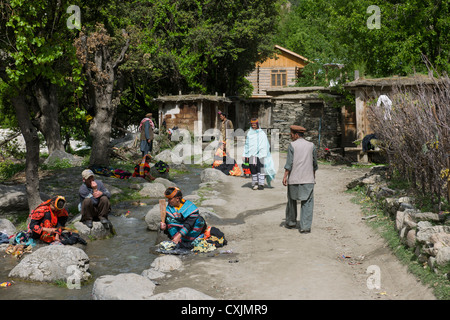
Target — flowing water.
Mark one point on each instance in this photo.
(127, 252)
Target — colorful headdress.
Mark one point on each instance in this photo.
(173, 194)
(60, 202)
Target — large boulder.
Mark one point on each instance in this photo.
(52, 263)
(153, 190)
(153, 218)
(166, 263)
(168, 156)
(211, 174)
(124, 286)
(97, 232)
(443, 256)
(7, 227)
(182, 294)
(59, 156)
(14, 199)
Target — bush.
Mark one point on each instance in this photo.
(415, 134)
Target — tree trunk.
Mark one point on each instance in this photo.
(47, 119)
(30, 135)
(100, 128)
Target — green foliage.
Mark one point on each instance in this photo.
(336, 31)
(203, 46)
(9, 169)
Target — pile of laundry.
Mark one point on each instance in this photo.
(110, 172)
(19, 244)
(208, 241)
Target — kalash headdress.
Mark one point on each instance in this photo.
(173, 194)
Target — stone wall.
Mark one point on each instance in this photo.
(426, 233)
(303, 106)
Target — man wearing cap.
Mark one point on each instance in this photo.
(146, 128)
(299, 177)
(94, 200)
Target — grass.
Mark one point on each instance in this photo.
(385, 227)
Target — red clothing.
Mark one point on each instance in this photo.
(44, 217)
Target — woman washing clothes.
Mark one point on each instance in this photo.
(47, 220)
(183, 222)
(143, 169)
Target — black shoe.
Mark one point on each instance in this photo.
(260, 187)
(88, 224)
(290, 226)
(305, 231)
(105, 222)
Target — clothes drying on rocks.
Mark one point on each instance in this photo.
(110, 172)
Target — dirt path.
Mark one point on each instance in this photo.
(274, 263)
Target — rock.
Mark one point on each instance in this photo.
(97, 232)
(153, 218)
(211, 174)
(192, 197)
(411, 238)
(14, 199)
(214, 202)
(355, 183)
(385, 192)
(59, 156)
(208, 213)
(379, 170)
(372, 179)
(165, 182)
(409, 221)
(113, 190)
(156, 174)
(153, 274)
(439, 241)
(424, 234)
(182, 294)
(443, 256)
(51, 263)
(153, 190)
(169, 157)
(124, 286)
(167, 263)
(424, 216)
(399, 218)
(7, 227)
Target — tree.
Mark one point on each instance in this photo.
(342, 32)
(36, 59)
(101, 69)
(206, 46)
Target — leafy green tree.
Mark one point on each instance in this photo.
(37, 58)
(206, 46)
(343, 32)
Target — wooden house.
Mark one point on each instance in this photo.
(187, 111)
(277, 72)
(356, 122)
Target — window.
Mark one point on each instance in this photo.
(278, 78)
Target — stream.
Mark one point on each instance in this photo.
(127, 252)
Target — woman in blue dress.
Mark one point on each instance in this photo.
(183, 222)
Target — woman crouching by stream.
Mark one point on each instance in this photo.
(183, 222)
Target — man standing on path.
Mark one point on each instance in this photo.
(299, 177)
(225, 129)
(146, 128)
